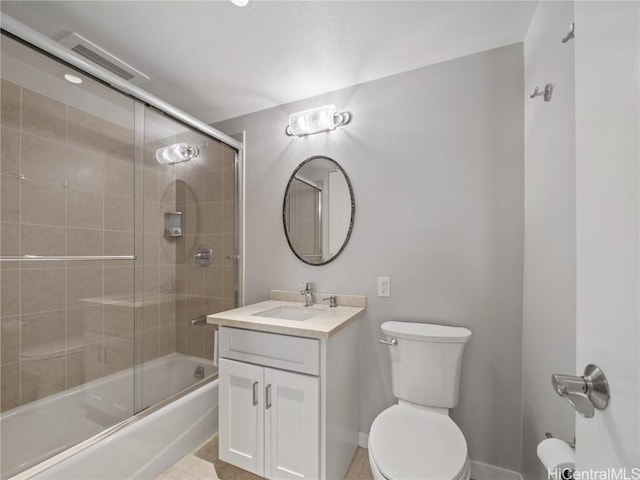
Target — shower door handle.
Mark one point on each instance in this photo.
(215, 348)
(255, 393)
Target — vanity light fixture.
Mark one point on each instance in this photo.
(176, 153)
(316, 120)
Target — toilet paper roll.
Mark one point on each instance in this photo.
(557, 456)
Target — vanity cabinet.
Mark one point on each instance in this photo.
(270, 417)
(269, 420)
(288, 391)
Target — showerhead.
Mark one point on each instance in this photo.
(177, 153)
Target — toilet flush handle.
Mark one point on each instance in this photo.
(393, 342)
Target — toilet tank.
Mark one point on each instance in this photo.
(425, 362)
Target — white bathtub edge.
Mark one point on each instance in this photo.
(193, 437)
(161, 432)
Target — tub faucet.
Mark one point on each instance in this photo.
(308, 294)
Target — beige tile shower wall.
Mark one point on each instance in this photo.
(67, 184)
(205, 192)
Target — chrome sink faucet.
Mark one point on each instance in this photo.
(308, 294)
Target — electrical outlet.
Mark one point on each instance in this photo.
(384, 286)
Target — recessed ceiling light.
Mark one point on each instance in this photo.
(240, 3)
(72, 78)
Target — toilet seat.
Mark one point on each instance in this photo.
(409, 443)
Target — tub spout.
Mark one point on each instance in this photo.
(201, 320)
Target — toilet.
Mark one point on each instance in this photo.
(416, 439)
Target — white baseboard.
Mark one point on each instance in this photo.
(483, 471)
(479, 470)
(363, 440)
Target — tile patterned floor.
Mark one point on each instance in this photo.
(204, 464)
(360, 468)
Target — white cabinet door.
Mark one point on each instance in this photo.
(292, 418)
(241, 415)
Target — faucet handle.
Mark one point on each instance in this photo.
(333, 301)
(203, 256)
(308, 287)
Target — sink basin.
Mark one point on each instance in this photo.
(287, 312)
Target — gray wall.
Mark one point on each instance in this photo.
(549, 316)
(436, 160)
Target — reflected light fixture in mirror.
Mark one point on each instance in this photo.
(316, 120)
(73, 79)
(243, 4)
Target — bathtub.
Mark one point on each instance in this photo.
(44, 434)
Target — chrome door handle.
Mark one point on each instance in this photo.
(255, 393)
(393, 342)
(268, 395)
(584, 393)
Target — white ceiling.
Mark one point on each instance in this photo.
(216, 61)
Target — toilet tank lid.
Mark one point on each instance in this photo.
(426, 332)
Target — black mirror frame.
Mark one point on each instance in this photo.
(353, 209)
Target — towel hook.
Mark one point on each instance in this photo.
(571, 34)
(546, 94)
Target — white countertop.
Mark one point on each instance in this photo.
(322, 325)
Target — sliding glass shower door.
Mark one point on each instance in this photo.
(68, 246)
(117, 230)
(303, 217)
(190, 257)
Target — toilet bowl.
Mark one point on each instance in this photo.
(416, 439)
(408, 443)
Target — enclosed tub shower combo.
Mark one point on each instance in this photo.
(118, 228)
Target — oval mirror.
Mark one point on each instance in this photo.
(318, 210)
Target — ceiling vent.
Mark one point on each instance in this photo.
(102, 58)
